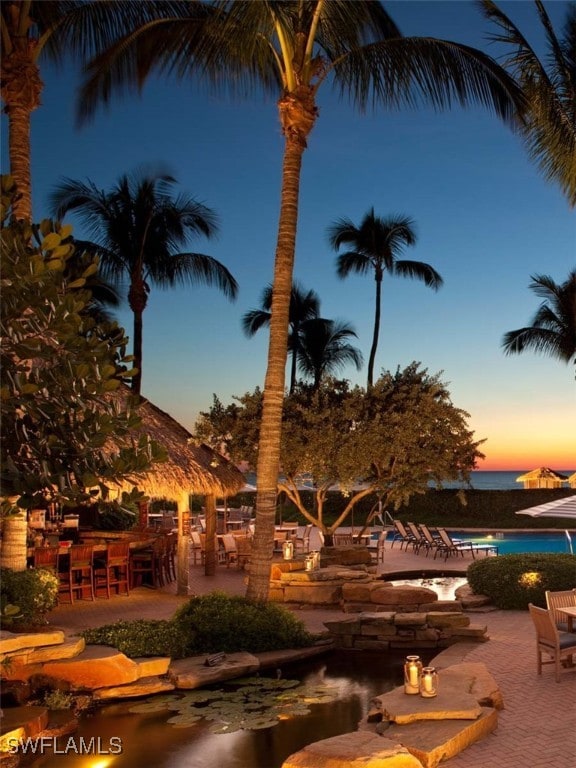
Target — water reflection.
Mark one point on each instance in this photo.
(147, 739)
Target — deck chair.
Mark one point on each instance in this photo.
(559, 645)
(197, 547)
(377, 549)
(449, 547)
(302, 542)
(556, 600)
(420, 540)
(230, 549)
(402, 535)
(342, 539)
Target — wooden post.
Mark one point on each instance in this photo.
(210, 554)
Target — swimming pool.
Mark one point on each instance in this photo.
(512, 543)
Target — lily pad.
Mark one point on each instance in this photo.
(183, 721)
(149, 706)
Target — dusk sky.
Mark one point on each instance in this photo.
(485, 218)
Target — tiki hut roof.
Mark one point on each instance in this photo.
(542, 473)
(190, 468)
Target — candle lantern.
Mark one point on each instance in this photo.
(315, 559)
(309, 563)
(429, 682)
(412, 672)
(288, 550)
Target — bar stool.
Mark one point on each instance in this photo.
(112, 570)
(80, 571)
(148, 563)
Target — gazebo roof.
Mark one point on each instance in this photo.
(541, 473)
(190, 468)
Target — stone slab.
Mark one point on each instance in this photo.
(434, 741)
(353, 750)
(145, 686)
(67, 650)
(12, 641)
(98, 666)
(475, 678)
(19, 723)
(193, 672)
(151, 666)
(453, 702)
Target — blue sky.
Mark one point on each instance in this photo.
(485, 218)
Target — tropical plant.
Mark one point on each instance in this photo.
(324, 348)
(376, 245)
(303, 306)
(292, 49)
(135, 230)
(34, 31)
(59, 431)
(553, 328)
(549, 128)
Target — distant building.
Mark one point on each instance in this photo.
(544, 477)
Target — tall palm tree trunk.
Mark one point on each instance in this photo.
(376, 334)
(21, 89)
(271, 424)
(137, 302)
(13, 544)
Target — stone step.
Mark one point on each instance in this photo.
(194, 673)
(359, 748)
(66, 650)
(144, 686)
(20, 723)
(98, 666)
(152, 666)
(13, 641)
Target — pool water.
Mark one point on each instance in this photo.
(351, 678)
(515, 543)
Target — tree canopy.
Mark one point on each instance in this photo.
(61, 440)
(392, 439)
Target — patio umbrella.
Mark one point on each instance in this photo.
(564, 507)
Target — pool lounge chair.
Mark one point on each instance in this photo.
(420, 541)
(402, 535)
(455, 545)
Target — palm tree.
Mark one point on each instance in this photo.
(303, 306)
(135, 229)
(324, 349)
(38, 30)
(376, 244)
(549, 130)
(292, 49)
(553, 328)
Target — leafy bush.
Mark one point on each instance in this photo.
(34, 591)
(513, 581)
(207, 624)
(142, 637)
(220, 622)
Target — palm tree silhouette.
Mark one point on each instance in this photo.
(376, 244)
(291, 50)
(553, 328)
(135, 230)
(324, 349)
(549, 127)
(35, 31)
(303, 306)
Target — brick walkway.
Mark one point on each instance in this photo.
(537, 728)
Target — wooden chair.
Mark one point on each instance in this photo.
(197, 547)
(558, 645)
(556, 600)
(169, 560)
(146, 565)
(302, 542)
(113, 569)
(377, 550)
(46, 557)
(230, 549)
(80, 574)
(342, 539)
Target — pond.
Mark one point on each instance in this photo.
(338, 690)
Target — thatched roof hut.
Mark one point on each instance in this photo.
(189, 469)
(542, 477)
(572, 480)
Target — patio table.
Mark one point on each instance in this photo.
(570, 612)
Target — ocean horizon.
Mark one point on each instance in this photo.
(481, 479)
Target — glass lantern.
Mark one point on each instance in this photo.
(315, 559)
(309, 563)
(412, 672)
(288, 550)
(429, 682)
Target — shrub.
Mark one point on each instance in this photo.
(513, 581)
(34, 592)
(142, 637)
(220, 622)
